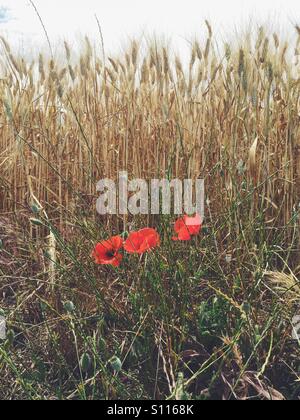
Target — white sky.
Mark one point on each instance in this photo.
(120, 19)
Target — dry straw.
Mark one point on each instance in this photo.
(67, 123)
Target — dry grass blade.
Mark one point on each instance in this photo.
(253, 166)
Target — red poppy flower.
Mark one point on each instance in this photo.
(186, 227)
(107, 252)
(142, 241)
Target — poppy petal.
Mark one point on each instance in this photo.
(142, 241)
(107, 252)
(117, 242)
(184, 235)
(132, 244)
(186, 227)
(193, 224)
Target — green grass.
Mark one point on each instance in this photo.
(183, 321)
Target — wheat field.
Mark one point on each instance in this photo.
(229, 114)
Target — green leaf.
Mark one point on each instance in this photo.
(116, 364)
(36, 222)
(102, 344)
(69, 307)
(85, 362)
(35, 209)
(10, 337)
